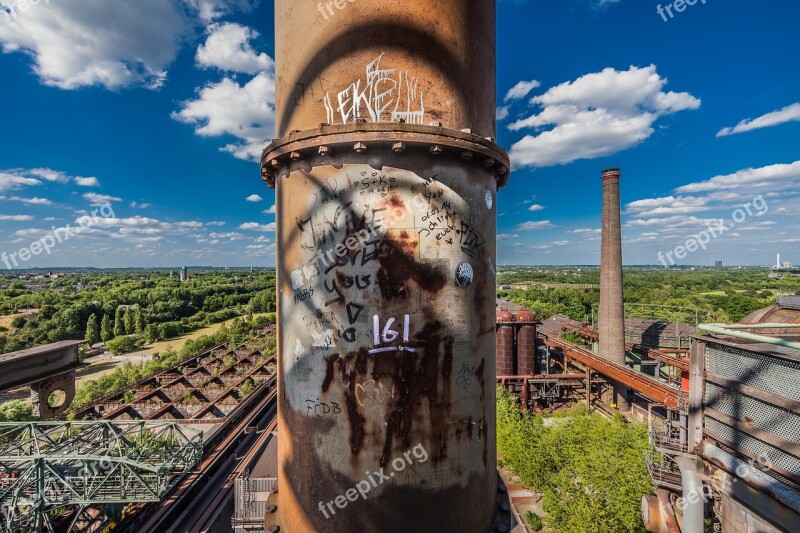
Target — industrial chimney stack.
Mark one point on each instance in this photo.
(612, 315)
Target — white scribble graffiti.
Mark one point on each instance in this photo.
(387, 94)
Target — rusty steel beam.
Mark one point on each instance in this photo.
(658, 355)
(641, 383)
(386, 175)
(653, 353)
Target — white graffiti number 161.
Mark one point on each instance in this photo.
(389, 336)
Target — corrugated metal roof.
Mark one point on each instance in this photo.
(267, 464)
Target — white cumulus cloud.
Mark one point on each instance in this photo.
(228, 48)
(790, 113)
(87, 182)
(521, 90)
(245, 112)
(99, 200)
(78, 43)
(531, 226)
(596, 115)
(772, 177)
(255, 226)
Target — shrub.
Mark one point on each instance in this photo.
(534, 521)
(16, 411)
(121, 345)
(590, 470)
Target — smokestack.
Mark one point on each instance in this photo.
(386, 175)
(612, 311)
(778, 263)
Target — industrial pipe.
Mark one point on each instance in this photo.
(693, 502)
(723, 329)
(766, 325)
(752, 476)
(386, 178)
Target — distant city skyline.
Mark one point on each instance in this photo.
(160, 108)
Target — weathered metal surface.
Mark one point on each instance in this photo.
(386, 180)
(650, 387)
(504, 350)
(526, 343)
(387, 340)
(420, 61)
(36, 364)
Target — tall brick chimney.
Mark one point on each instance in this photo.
(612, 313)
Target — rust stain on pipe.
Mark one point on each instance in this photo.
(386, 194)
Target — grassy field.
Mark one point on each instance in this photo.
(178, 342)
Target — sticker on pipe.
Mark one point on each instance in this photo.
(464, 275)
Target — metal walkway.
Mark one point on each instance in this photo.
(46, 466)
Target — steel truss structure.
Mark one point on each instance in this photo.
(49, 467)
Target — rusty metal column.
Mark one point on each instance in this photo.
(386, 175)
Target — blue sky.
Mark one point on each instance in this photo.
(160, 107)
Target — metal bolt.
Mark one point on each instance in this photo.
(322, 125)
(399, 147)
(273, 529)
(501, 487)
(504, 506)
(275, 163)
(501, 528)
(271, 509)
(293, 132)
(360, 147)
(467, 130)
(490, 139)
(488, 163)
(436, 150)
(466, 155)
(324, 150)
(437, 124)
(295, 156)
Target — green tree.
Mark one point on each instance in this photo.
(121, 345)
(140, 325)
(130, 321)
(106, 329)
(19, 322)
(92, 330)
(591, 470)
(15, 411)
(151, 333)
(119, 322)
